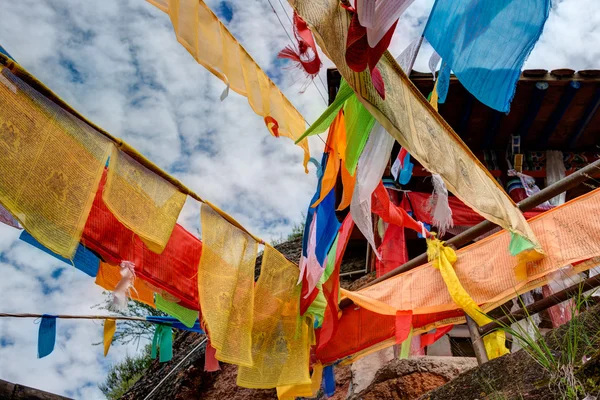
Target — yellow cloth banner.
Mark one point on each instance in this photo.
(305, 390)
(443, 258)
(109, 276)
(205, 37)
(569, 233)
(226, 287)
(110, 327)
(50, 165)
(141, 200)
(414, 123)
(280, 337)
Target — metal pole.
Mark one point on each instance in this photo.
(542, 305)
(467, 236)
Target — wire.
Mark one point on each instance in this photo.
(175, 367)
(294, 45)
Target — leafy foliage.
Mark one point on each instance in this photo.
(125, 374)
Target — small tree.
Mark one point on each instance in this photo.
(122, 376)
(132, 331)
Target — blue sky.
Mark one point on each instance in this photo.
(118, 63)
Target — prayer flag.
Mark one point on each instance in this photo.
(486, 43)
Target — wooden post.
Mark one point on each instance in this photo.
(477, 340)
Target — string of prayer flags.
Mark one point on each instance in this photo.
(226, 287)
(110, 327)
(162, 343)
(209, 41)
(306, 57)
(280, 337)
(486, 43)
(7, 219)
(141, 200)
(47, 184)
(186, 316)
(407, 116)
(485, 274)
(84, 260)
(175, 323)
(174, 272)
(46, 335)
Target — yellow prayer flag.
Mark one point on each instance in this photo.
(110, 327)
(141, 200)
(51, 163)
(280, 337)
(226, 287)
(205, 37)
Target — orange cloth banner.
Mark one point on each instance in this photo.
(205, 37)
(109, 276)
(568, 232)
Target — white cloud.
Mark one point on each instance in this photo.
(118, 63)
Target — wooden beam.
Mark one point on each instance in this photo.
(559, 112)
(535, 104)
(477, 341)
(586, 119)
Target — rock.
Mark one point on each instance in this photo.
(365, 369)
(409, 379)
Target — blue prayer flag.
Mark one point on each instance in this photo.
(46, 335)
(486, 43)
(329, 381)
(84, 259)
(174, 322)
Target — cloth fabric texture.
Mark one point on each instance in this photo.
(141, 200)
(487, 43)
(308, 61)
(186, 316)
(408, 117)
(50, 165)
(175, 323)
(84, 260)
(486, 274)
(162, 343)
(7, 219)
(46, 335)
(110, 327)
(443, 258)
(280, 337)
(174, 272)
(212, 45)
(226, 287)
(109, 276)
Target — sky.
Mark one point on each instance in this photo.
(119, 64)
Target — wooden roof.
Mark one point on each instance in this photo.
(550, 110)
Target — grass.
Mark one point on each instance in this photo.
(561, 364)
